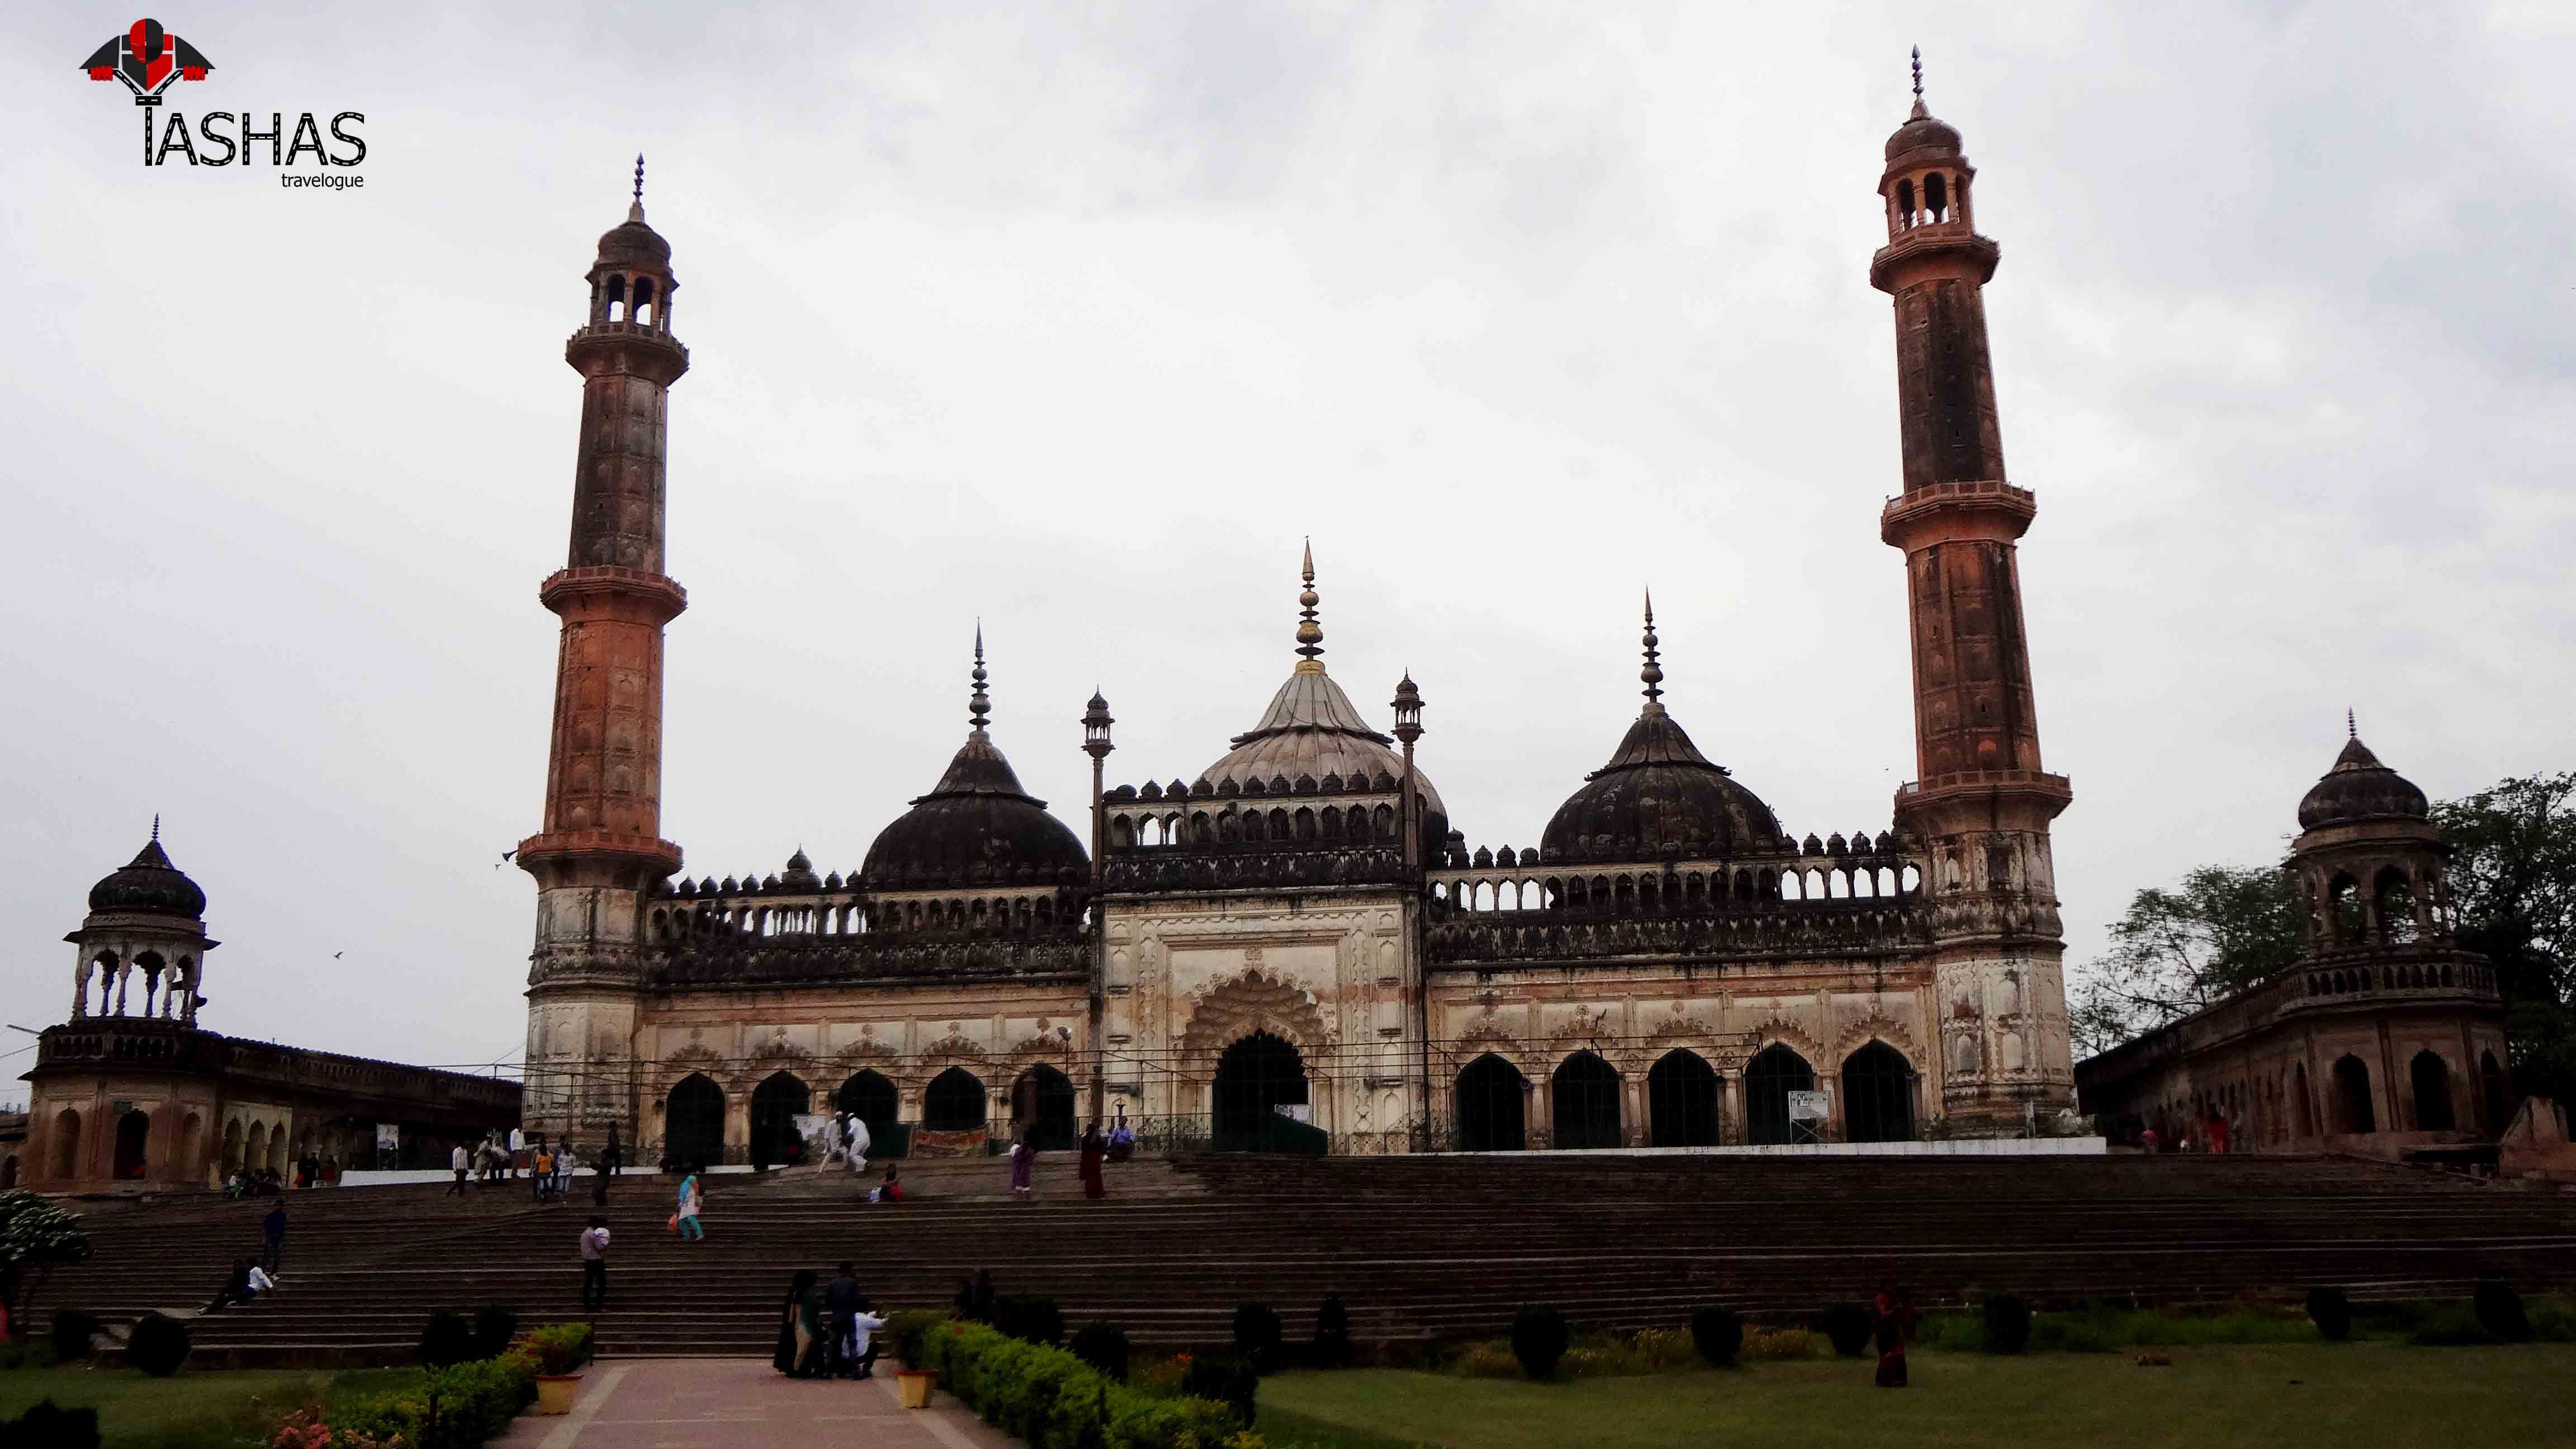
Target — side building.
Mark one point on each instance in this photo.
(131, 1094)
(2383, 1037)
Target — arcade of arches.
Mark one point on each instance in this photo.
(1687, 1101)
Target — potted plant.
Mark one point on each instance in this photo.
(910, 1329)
(560, 1350)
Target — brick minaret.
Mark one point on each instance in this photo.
(1980, 805)
(601, 852)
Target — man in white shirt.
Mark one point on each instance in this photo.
(461, 1164)
(862, 1344)
(594, 1265)
(857, 1144)
(261, 1285)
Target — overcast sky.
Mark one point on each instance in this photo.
(1078, 319)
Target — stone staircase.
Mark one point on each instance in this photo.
(1419, 1248)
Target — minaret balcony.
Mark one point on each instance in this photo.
(642, 348)
(1948, 512)
(1935, 248)
(613, 591)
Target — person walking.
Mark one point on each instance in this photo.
(1893, 1319)
(594, 1265)
(1024, 1164)
(856, 1143)
(800, 1333)
(686, 1220)
(541, 1170)
(567, 1162)
(456, 1163)
(612, 1158)
(1094, 1148)
(518, 1144)
(840, 1307)
(272, 1230)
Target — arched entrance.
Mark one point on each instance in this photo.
(67, 1144)
(2432, 1092)
(869, 1097)
(1769, 1078)
(1256, 1074)
(1584, 1100)
(693, 1123)
(1043, 1100)
(255, 1148)
(953, 1102)
(2352, 1097)
(133, 1136)
(232, 1147)
(775, 1105)
(1681, 1100)
(1492, 1106)
(1878, 1095)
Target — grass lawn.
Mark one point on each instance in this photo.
(2347, 1396)
(215, 1410)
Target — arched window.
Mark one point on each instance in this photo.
(1585, 1103)
(2432, 1078)
(1905, 203)
(1042, 1103)
(1255, 1076)
(2344, 901)
(693, 1122)
(1936, 197)
(2353, 1109)
(1492, 1106)
(1681, 1100)
(133, 1136)
(2396, 903)
(953, 1102)
(1769, 1078)
(776, 1103)
(66, 1145)
(869, 1097)
(1878, 1095)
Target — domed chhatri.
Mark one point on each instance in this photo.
(1922, 131)
(1311, 728)
(631, 241)
(149, 883)
(2360, 788)
(976, 825)
(1658, 794)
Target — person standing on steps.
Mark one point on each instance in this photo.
(272, 1231)
(690, 1229)
(840, 1306)
(594, 1265)
(456, 1163)
(1094, 1148)
(612, 1158)
(1024, 1165)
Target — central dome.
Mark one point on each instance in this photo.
(1658, 796)
(149, 882)
(976, 826)
(2360, 788)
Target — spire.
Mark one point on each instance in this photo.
(635, 209)
(2351, 730)
(1653, 673)
(1919, 111)
(156, 825)
(980, 704)
(1310, 635)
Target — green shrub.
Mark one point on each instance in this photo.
(1538, 1340)
(1257, 1335)
(74, 1332)
(2500, 1309)
(905, 1329)
(1846, 1325)
(2007, 1323)
(26, 1353)
(494, 1327)
(561, 1348)
(49, 1426)
(2448, 1326)
(1718, 1335)
(1104, 1347)
(988, 1372)
(1228, 1379)
(1031, 1320)
(2331, 1312)
(471, 1402)
(158, 1345)
(1773, 1345)
(448, 1338)
(1332, 1333)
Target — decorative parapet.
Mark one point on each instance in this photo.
(138, 1042)
(1771, 930)
(731, 959)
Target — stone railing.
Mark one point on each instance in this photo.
(1806, 928)
(731, 960)
(139, 1043)
(1251, 867)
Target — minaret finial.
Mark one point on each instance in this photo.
(1310, 635)
(1919, 111)
(635, 208)
(2351, 730)
(980, 704)
(156, 825)
(1653, 673)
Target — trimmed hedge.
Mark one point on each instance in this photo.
(48, 1425)
(1718, 1335)
(1257, 1336)
(158, 1345)
(74, 1334)
(1104, 1347)
(2331, 1312)
(2007, 1323)
(560, 1348)
(1056, 1401)
(1539, 1338)
(1848, 1326)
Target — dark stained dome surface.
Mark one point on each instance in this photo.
(1658, 795)
(149, 883)
(976, 826)
(2360, 788)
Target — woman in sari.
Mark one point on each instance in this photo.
(1094, 1147)
(796, 1331)
(691, 1231)
(1895, 1322)
(1024, 1162)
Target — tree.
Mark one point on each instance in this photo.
(34, 1236)
(2224, 929)
(2513, 883)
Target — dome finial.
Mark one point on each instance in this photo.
(1653, 673)
(1918, 112)
(1310, 635)
(156, 825)
(2351, 730)
(980, 704)
(635, 208)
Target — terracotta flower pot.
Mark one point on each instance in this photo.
(915, 1384)
(555, 1392)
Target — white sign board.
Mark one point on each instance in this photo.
(1809, 1107)
(389, 1137)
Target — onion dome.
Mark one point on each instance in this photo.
(976, 825)
(631, 242)
(1311, 729)
(799, 875)
(2360, 788)
(1658, 795)
(1921, 131)
(149, 883)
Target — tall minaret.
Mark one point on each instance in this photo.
(601, 851)
(1981, 804)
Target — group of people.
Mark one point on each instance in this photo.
(252, 1278)
(1096, 1147)
(550, 1167)
(826, 1329)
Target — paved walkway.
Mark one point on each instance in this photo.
(718, 1403)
